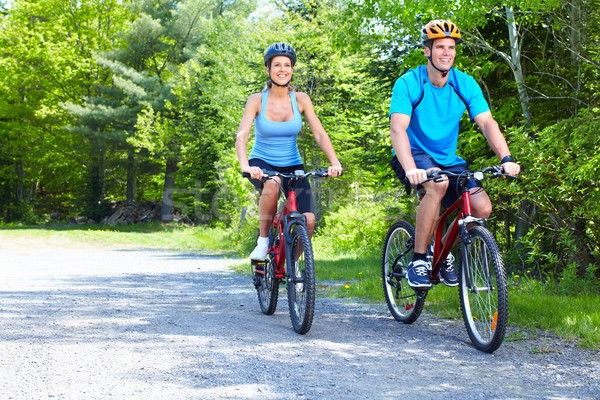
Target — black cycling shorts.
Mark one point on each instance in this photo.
(304, 197)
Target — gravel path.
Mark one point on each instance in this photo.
(132, 324)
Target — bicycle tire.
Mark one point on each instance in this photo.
(301, 281)
(267, 287)
(404, 303)
(484, 302)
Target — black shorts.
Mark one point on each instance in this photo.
(425, 161)
(304, 197)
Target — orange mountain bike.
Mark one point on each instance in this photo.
(482, 278)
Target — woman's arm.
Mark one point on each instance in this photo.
(305, 106)
(250, 112)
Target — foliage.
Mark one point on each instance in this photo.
(355, 228)
(561, 178)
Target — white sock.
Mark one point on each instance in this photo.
(262, 240)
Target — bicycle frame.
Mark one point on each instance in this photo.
(284, 223)
(462, 220)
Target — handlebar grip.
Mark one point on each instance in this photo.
(245, 175)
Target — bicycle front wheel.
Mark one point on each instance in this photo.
(267, 286)
(403, 302)
(483, 291)
(301, 280)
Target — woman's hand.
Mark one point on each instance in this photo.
(335, 170)
(255, 172)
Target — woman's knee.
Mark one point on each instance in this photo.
(270, 189)
(310, 221)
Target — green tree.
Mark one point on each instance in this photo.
(47, 51)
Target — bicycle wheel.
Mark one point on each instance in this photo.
(483, 292)
(301, 280)
(404, 303)
(267, 286)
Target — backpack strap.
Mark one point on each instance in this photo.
(460, 96)
(420, 98)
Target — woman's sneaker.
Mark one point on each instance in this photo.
(260, 251)
(418, 275)
(448, 273)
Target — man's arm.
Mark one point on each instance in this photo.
(401, 144)
(491, 131)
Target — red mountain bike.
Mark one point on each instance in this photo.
(482, 287)
(289, 244)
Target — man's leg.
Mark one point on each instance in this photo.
(428, 214)
(427, 219)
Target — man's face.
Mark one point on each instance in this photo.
(442, 52)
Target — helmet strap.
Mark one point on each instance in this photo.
(277, 84)
(443, 71)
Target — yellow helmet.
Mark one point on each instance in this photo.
(440, 28)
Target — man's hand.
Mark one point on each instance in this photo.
(416, 176)
(511, 168)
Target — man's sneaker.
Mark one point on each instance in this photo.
(260, 251)
(418, 275)
(448, 273)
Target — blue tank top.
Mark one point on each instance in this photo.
(276, 142)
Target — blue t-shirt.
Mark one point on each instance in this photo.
(276, 142)
(434, 122)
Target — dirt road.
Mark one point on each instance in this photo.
(132, 324)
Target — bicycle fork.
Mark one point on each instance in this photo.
(466, 244)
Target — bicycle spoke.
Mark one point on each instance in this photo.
(404, 304)
(484, 302)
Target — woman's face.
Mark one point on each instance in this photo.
(281, 70)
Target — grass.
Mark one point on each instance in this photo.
(176, 237)
(356, 274)
(531, 306)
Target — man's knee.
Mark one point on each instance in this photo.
(482, 209)
(436, 189)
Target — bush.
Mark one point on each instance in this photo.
(355, 228)
(561, 182)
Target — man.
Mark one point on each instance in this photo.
(426, 107)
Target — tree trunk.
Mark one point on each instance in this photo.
(574, 7)
(131, 176)
(96, 189)
(166, 210)
(515, 65)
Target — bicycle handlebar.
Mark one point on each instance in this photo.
(495, 171)
(300, 174)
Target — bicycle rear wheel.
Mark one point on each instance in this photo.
(404, 303)
(267, 286)
(483, 291)
(301, 280)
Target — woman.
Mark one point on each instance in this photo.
(276, 112)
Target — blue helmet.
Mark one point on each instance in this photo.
(280, 49)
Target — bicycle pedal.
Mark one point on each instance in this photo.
(259, 267)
